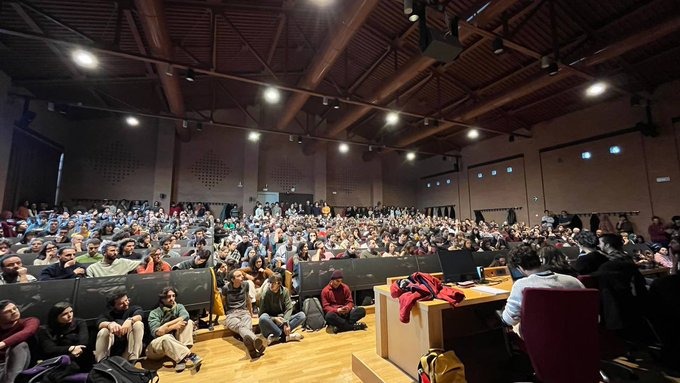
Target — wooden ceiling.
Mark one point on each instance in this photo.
(362, 52)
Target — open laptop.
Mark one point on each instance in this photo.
(457, 266)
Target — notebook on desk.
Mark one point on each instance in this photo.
(489, 290)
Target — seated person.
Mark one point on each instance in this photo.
(197, 261)
(93, 255)
(277, 321)
(15, 335)
(257, 273)
(47, 254)
(338, 305)
(590, 258)
(64, 334)
(153, 263)
(665, 307)
(553, 259)
(111, 265)
(66, 268)
(499, 261)
(239, 311)
(528, 262)
(120, 329)
(126, 249)
(172, 331)
(34, 247)
(13, 270)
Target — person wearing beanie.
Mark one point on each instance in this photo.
(338, 306)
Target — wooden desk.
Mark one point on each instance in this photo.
(656, 272)
(404, 343)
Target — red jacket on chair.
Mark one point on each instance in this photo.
(421, 287)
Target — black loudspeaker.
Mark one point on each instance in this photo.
(439, 45)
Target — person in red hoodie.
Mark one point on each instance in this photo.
(15, 333)
(338, 305)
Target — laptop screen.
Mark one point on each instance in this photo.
(457, 266)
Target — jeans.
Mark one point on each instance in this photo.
(269, 327)
(17, 359)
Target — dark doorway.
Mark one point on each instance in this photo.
(33, 170)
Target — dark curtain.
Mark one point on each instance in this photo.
(32, 170)
(446, 211)
(452, 213)
(439, 211)
(479, 216)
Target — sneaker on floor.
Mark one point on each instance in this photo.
(180, 366)
(359, 326)
(260, 345)
(249, 342)
(294, 337)
(195, 361)
(332, 329)
(271, 339)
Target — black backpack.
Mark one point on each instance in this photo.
(116, 369)
(314, 313)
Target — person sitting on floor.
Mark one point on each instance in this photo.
(529, 263)
(277, 321)
(239, 311)
(172, 332)
(338, 306)
(15, 335)
(120, 329)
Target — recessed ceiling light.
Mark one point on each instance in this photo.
(615, 149)
(410, 156)
(473, 133)
(343, 148)
(391, 118)
(84, 59)
(596, 89)
(272, 95)
(586, 155)
(254, 136)
(132, 120)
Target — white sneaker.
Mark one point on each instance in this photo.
(294, 336)
(271, 339)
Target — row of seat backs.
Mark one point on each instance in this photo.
(88, 295)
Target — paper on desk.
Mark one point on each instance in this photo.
(489, 290)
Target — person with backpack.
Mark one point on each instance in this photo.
(15, 335)
(338, 305)
(277, 321)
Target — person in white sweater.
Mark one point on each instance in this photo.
(529, 263)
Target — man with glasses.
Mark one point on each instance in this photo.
(93, 255)
(121, 330)
(66, 268)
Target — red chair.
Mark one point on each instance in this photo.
(560, 332)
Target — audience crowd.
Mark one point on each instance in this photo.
(254, 252)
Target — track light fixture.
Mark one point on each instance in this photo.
(408, 7)
(132, 121)
(417, 12)
(498, 47)
(190, 75)
(335, 103)
(168, 70)
(552, 69)
(545, 62)
(291, 138)
(199, 127)
(411, 156)
(299, 140)
(343, 148)
(272, 95)
(391, 118)
(324, 100)
(426, 121)
(185, 124)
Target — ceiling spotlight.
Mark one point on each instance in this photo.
(392, 118)
(473, 133)
(190, 75)
(545, 62)
(408, 7)
(299, 139)
(132, 121)
(324, 100)
(84, 59)
(50, 106)
(272, 95)
(498, 46)
(411, 156)
(168, 70)
(199, 126)
(596, 89)
(553, 68)
(291, 138)
(417, 12)
(254, 136)
(335, 103)
(370, 148)
(185, 124)
(426, 121)
(343, 148)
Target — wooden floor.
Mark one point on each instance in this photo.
(319, 357)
